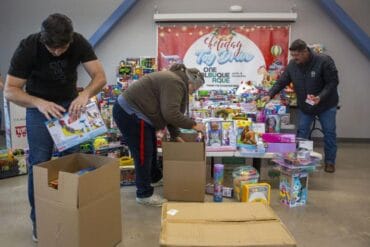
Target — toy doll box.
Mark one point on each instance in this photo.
(293, 188)
(67, 133)
(222, 224)
(220, 135)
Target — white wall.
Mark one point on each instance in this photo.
(135, 36)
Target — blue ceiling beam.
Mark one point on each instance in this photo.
(358, 36)
(117, 15)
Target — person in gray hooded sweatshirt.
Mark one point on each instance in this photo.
(156, 101)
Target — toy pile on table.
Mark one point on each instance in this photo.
(237, 123)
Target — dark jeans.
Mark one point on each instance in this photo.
(328, 125)
(142, 142)
(41, 147)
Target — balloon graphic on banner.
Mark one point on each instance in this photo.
(276, 50)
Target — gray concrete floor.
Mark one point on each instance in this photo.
(337, 212)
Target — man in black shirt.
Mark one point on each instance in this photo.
(46, 64)
(315, 80)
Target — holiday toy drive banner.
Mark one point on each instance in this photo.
(227, 55)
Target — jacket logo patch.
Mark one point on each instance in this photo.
(313, 74)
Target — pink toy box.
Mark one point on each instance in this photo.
(278, 138)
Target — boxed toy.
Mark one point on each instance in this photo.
(67, 132)
(127, 171)
(243, 175)
(293, 188)
(244, 134)
(220, 135)
(278, 138)
(259, 192)
(272, 124)
(226, 191)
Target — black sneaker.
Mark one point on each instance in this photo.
(34, 233)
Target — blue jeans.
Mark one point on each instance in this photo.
(328, 125)
(142, 142)
(41, 148)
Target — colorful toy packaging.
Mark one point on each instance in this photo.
(220, 135)
(226, 191)
(259, 192)
(272, 124)
(67, 132)
(218, 177)
(245, 135)
(243, 175)
(127, 169)
(293, 188)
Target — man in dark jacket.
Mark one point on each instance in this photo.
(157, 100)
(315, 80)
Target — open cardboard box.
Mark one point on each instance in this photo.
(85, 210)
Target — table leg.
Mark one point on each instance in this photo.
(257, 164)
(212, 165)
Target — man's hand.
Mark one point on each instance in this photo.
(78, 105)
(313, 98)
(50, 109)
(266, 98)
(199, 127)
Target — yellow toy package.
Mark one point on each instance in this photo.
(259, 192)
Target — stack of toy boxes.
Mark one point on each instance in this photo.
(295, 168)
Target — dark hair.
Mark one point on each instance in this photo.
(56, 30)
(298, 45)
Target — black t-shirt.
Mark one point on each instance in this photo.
(49, 77)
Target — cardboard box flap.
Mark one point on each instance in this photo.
(97, 183)
(264, 233)
(220, 212)
(67, 188)
(175, 151)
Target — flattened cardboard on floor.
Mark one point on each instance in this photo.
(222, 224)
(184, 171)
(85, 210)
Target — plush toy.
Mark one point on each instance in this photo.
(246, 88)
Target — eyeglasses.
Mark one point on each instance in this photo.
(297, 53)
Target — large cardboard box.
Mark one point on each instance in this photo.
(85, 210)
(184, 171)
(222, 224)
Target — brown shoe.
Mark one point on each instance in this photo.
(330, 168)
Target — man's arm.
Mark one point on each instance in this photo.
(1, 83)
(281, 83)
(98, 80)
(330, 77)
(13, 91)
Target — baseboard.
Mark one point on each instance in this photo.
(344, 139)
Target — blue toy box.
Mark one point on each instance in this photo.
(293, 188)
